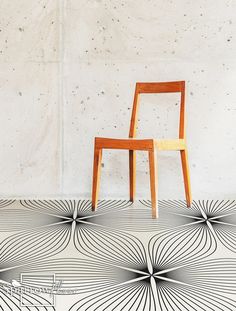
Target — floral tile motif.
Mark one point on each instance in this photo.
(119, 258)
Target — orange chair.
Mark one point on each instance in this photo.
(151, 145)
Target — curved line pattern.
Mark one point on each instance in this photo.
(134, 296)
(214, 275)
(172, 296)
(132, 220)
(104, 206)
(80, 275)
(112, 246)
(167, 271)
(219, 216)
(174, 214)
(66, 208)
(215, 208)
(34, 245)
(181, 246)
(226, 235)
(19, 220)
(59, 208)
(4, 203)
(222, 217)
(176, 206)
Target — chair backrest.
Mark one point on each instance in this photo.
(158, 87)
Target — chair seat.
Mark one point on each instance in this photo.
(170, 144)
(139, 144)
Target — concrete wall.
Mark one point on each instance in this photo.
(68, 70)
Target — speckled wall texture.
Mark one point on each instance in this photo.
(68, 71)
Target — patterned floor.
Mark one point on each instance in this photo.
(118, 258)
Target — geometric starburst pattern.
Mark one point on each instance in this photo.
(119, 258)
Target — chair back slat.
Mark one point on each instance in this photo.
(159, 87)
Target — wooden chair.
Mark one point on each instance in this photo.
(151, 145)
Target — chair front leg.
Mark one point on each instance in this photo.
(186, 175)
(96, 176)
(153, 182)
(132, 174)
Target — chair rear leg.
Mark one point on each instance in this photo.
(96, 176)
(132, 174)
(153, 182)
(186, 175)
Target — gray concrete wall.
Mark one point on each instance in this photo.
(68, 71)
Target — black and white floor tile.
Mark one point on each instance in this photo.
(119, 258)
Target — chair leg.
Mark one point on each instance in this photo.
(96, 176)
(185, 168)
(132, 174)
(153, 182)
